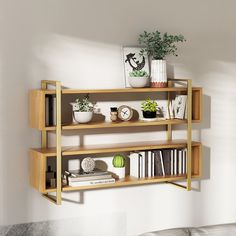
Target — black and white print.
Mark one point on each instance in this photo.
(134, 61)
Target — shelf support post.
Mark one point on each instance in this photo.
(189, 134)
(169, 127)
(44, 141)
(58, 140)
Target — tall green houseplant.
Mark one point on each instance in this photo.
(157, 46)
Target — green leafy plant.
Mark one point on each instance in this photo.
(118, 161)
(158, 46)
(138, 73)
(83, 105)
(149, 105)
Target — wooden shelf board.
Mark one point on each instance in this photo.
(110, 148)
(128, 181)
(120, 90)
(102, 124)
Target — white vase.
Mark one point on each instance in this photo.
(158, 74)
(120, 172)
(83, 117)
(139, 82)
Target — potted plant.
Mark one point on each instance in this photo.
(149, 108)
(119, 165)
(138, 79)
(157, 47)
(82, 110)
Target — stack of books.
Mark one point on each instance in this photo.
(92, 178)
(163, 162)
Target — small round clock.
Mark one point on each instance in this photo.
(125, 113)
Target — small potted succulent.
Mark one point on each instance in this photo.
(138, 79)
(82, 110)
(119, 165)
(149, 108)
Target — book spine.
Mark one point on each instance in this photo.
(140, 165)
(180, 161)
(54, 110)
(175, 162)
(92, 182)
(146, 163)
(134, 165)
(89, 178)
(172, 162)
(162, 164)
(50, 104)
(153, 163)
(149, 164)
(46, 110)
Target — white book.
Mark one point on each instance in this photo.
(134, 164)
(180, 103)
(149, 164)
(171, 161)
(162, 163)
(140, 165)
(180, 162)
(89, 178)
(175, 162)
(92, 182)
(142, 171)
(184, 161)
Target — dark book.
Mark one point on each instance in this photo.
(50, 110)
(157, 163)
(167, 161)
(146, 163)
(139, 165)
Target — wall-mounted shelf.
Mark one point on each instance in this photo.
(38, 156)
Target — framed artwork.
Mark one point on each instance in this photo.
(179, 106)
(134, 61)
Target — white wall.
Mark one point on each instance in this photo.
(79, 43)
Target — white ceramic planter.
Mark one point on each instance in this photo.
(120, 172)
(139, 82)
(158, 74)
(83, 117)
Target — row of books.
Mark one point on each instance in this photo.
(82, 179)
(158, 163)
(50, 110)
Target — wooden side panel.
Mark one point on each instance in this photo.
(37, 109)
(37, 170)
(197, 160)
(197, 104)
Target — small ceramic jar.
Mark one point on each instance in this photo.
(114, 114)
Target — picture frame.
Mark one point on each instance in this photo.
(134, 61)
(180, 106)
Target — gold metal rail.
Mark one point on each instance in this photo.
(189, 130)
(44, 140)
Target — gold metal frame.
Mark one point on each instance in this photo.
(44, 136)
(189, 130)
(44, 139)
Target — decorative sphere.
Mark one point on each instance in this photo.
(88, 164)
